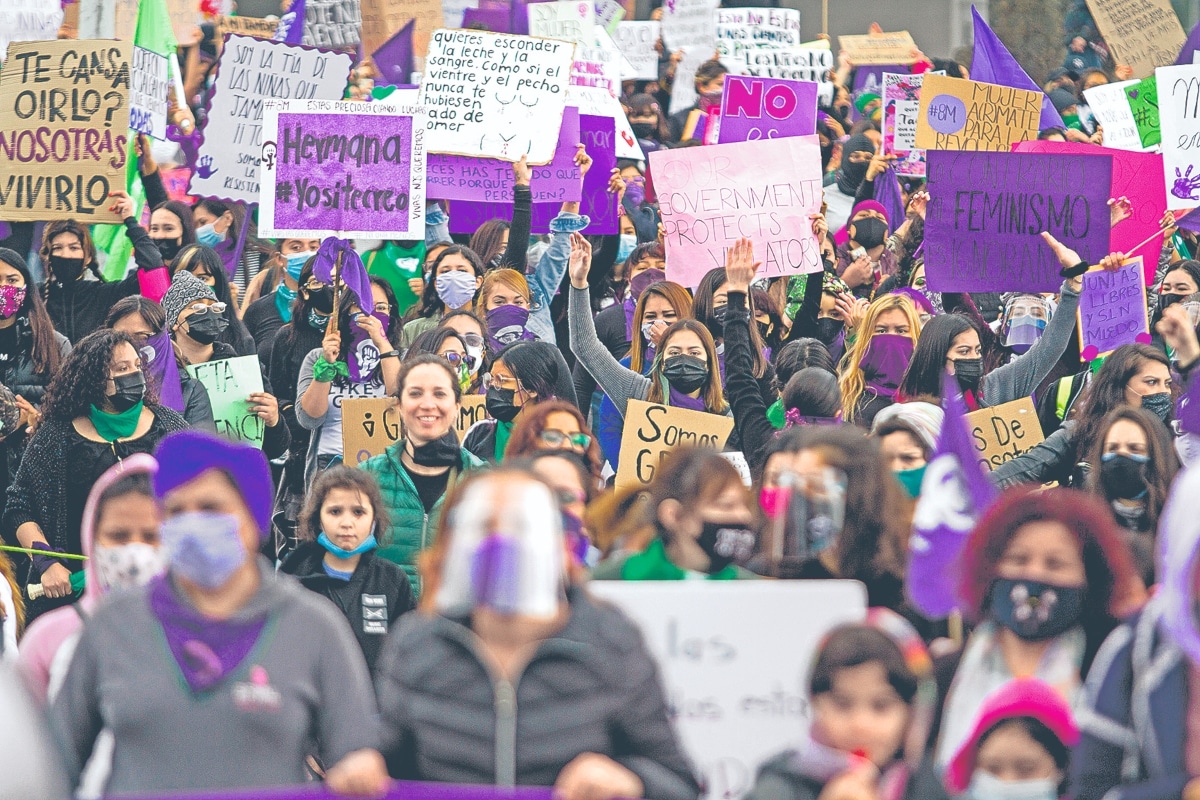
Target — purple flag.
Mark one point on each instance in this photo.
(353, 273)
(394, 58)
(1189, 47)
(1190, 221)
(399, 790)
(954, 495)
(994, 64)
(163, 370)
(887, 194)
(291, 25)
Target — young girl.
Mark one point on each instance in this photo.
(869, 692)
(342, 523)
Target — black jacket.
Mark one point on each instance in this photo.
(782, 778)
(262, 319)
(592, 688)
(372, 600)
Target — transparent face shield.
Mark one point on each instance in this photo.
(1025, 321)
(810, 521)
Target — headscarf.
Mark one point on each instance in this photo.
(185, 455)
(923, 419)
(842, 237)
(850, 174)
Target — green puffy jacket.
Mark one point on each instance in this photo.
(412, 528)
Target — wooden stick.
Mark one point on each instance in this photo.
(1144, 242)
(332, 325)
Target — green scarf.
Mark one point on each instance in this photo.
(777, 415)
(652, 564)
(503, 434)
(112, 427)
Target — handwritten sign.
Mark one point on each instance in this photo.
(495, 95)
(766, 108)
(350, 169)
(64, 129)
(1179, 114)
(1141, 33)
(712, 196)
(968, 115)
(29, 21)
(1001, 433)
(472, 409)
(230, 382)
(569, 20)
(1143, 104)
(1112, 310)
(636, 42)
(148, 93)
(1110, 105)
(335, 24)
(987, 211)
(370, 425)
(880, 48)
(382, 19)
(249, 72)
(652, 430)
(753, 28)
(690, 22)
(245, 26)
(737, 690)
(901, 108)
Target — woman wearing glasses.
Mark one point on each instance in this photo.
(452, 346)
(206, 264)
(559, 428)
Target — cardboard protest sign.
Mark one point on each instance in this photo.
(333, 24)
(495, 95)
(736, 688)
(752, 28)
(901, 108)
(690, 22)
(569, 20)
(653, 430)
(1112, 310)
(766, 108)
(148, 93)
(230, 382)
(245, 26)
(1143, 104)
(381, 19)
(344, 169)
(1001, 433)
(1141, 33)
(472, 409)
(636, 42)
(712, 196)
(29, 21)
(987, 212)
(489, 180)
(1110, 106)
(64, 129)
(956, 114)
(879, 48)
(369, 426)
(1179, 115)
(249, 72)
(185, 21)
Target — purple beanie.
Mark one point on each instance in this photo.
(185, 455)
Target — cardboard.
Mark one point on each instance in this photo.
(472, 409)
(369, 426)
(1112, 310)
(381, 19)
(881, 48)
(1001, 433)
(1179, 115)
(229, 383)
(1141, 33)
(766, 108)
(245, 26)
(652, 430)
(957, 114)
(901, 108)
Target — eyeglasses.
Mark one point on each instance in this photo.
(315, 285)
(558, 438)
(200, 309)
(456, 358)
(471, 339)
(383, 308)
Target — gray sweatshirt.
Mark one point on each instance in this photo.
(1021, 376)
(315, 697)
(619, 383)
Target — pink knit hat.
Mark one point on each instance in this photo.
(1027, 697)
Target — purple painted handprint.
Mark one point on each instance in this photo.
(204, 167)
(1186, 184)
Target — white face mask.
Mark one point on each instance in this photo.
(477, 354)
(986, 786)
(127, 566)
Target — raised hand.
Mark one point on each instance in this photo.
(582, 160)
(522, 172)
(1119, 210)
(740, 266)
(580, 262)
(1067, 257)
(204, 167)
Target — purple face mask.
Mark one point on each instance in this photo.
(11, 298)
(884, 362)
(363, 357)
(506, 325)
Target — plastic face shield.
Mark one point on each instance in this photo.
(813, 518)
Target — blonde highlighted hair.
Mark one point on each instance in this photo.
(505, 277)
(851, 380)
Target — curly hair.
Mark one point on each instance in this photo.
(83, 377)
(308, 526)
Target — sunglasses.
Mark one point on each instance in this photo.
(558, 439)
(455, 359)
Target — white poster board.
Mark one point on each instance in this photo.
(735, 659)
(28, 21)
(597, 102)
(636, 41)
(690, 22)
(810, 64)
(1110, 106)
(569, 20)
(251, 71)
(753, 28)
(1179, 115)
(148, 93)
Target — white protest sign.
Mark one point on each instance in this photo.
(148, 93)
(1179, 115)
(1111, 109)
(753, 28)
(790, 63)
(452, 11)
(683, 91)
(690, 22)
(249, 72)
(596, 66)
(609, 14)
(605, 43)
(569, 20)
(28, 21)
(495, 95)
(636, 41)
(735, 659)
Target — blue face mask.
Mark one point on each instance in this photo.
(368, 544)
(296, 262)
(203, 547)
(207, 235)
(284, 297)
(628, 243)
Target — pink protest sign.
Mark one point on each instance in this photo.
(1137, 176)
(766, 191)
(766, 108)
(901, 101)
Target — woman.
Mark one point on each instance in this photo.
(415, 473)
(1137, 464)
(172, 229)
(474, 335)
(282, 283)
(205, 264)
(576, 487)
(217, 228)
(450, 345)
(701, 510)
(709, 307)
(523, 375)
(907, 434)
(454, 283)
(357, 359)
(95, 413)
(505, 298)
(875, 363)
(215, 675)
(526, 644)
(555, 425)
(1046, 577)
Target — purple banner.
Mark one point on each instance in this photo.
(598, 135)
(1112, 310)
(490, 180)
(400, 790)
(766, 108)
(988, 210)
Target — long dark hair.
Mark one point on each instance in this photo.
(83, 377)
(308, 526)
(349, 299)
(799, 354)
(184, 213)
(488, 241)
(80, 232)
(197, 255)
(1106, 392)
(1160, 469)
(540, 369)
(702, 310)
(431, 304)
(44, 350)
(151, 313)
(924, 374)
(218, 209)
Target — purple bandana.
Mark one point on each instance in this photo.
(363, 356)
(680, 400)
(885, 361)
(506, 325)
(163, 370)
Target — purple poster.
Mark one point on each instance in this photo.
(400, 790)
(766, 108)
(987, 212)
(490, 180)
(598, 135)
(1112, 310)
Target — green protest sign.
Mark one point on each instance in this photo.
(1143, 102)
(230, 382)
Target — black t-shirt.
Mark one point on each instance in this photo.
(429, 487)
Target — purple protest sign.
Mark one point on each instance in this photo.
(1112, 310)
(766, 108)
(495, 20)
(490, 180)
(350, 169)
(987, 212)
(400, 790)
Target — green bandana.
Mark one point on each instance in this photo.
(503, 433)
(652, 564)
(911, 479)
(777, 415)
(112, 427)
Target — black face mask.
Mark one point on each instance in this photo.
(764, 330)
(321, 300)
(441, 452)
(717, 328)
(968, 372)
(1167, 300)
(828, 329)
(206, 329)
(1123, 476)
(869, 232)
(168, 248)
(66, 270)
(499, 404)
(725, 544)
(644, 130)
(685, 373)
(1034, 610)
(131, 389)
